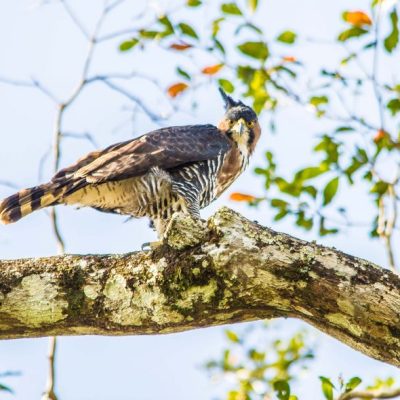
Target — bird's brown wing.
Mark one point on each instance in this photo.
(165, 148)
(86, 160)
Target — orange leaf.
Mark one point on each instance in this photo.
(180, 46)
(177, 88)
(236, 196)
(380, 135)
(290, 59)
(357, 18)
(212, 69)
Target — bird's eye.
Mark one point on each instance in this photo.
(250, 124)
(231, 122)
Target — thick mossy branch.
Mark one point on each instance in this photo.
(224, 271)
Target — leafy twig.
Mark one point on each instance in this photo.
(370, 394)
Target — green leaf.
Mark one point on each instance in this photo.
(281, 214)
(318, 100)
(282, 389)
(226, 85)
(330, 190)
(187, 30)
(310, 172)
(233, 395)
(258, 50)
(149, 34)
(287, 37)
(330, 148)
(169, 29)
(306, 223)
(370, 45)
(250, 26)
(353, 32)
(128, 44)
(294, 189)
(278, 203)
(226, 365)
(216, 26)
(193, 3)
(183, 73)
(394, 106)
(287, 70)
(396, 88)
(352, 383)
(256, 355)
(392, 39)
(311, 190)
(380, 187)
(323, 231)
(252, 4)
(4, 388)
(347, 59)
(327, 387)
(344, 129)
(357, 161)
(231, 8)
(219, 46)
(232, 336)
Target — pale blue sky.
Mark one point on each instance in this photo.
(43, 43)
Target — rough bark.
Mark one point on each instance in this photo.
(224, 271)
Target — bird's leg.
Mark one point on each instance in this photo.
(194, 210)
(156, 226)
(185, 230)
(163, 226)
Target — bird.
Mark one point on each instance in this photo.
(176, 169)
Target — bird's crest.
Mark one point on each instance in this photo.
(229, 102)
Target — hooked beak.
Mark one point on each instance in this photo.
(239, 127)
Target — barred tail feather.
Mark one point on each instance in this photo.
(26, 201)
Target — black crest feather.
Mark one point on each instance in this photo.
(229, 102)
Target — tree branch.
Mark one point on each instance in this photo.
(371, 394)
(224, 271)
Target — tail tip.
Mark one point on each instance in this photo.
(5, 219)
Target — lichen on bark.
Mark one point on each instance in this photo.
(225, 270)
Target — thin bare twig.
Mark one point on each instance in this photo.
(50, 387)
(16, 82)
(390, 225)
(33, 83)
(375, 67)
(46, 91)
(49, 394)
(83, 136)
(154, 117)
(108, 8)
(42, 161)
(8, 184)
(387, 222)
(74, 18)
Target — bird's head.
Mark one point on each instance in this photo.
(240, 123)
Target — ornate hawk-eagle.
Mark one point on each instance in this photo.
(174, 169)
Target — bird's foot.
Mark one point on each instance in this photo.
(184, 231)
(150, 246)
